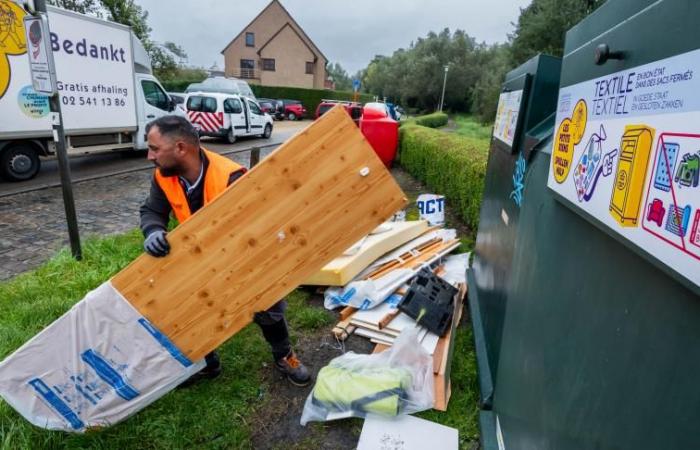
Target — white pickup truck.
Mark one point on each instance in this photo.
(107, 90)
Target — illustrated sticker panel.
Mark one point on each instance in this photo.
(627, 152)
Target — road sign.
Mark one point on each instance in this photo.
(355, 85)
(39, 53)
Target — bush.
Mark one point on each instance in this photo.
(179, 85)
(434, 120)
(452, 165)
(310, 98)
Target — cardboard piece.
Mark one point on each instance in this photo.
(406, 433)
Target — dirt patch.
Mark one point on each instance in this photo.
(275, 423)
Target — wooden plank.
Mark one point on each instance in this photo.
(303, 205)
(388, 318)
(347, 312)
(344, 268)
(380, 348)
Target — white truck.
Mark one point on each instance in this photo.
(107, 91)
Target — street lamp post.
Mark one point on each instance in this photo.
(444, 83)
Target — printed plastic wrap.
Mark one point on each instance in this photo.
(396, 381)
(367, 293)
(94, 366)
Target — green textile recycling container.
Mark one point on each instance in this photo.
(599, 309)
(528, 97)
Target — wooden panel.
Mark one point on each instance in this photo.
(302, 206)
(342, 269)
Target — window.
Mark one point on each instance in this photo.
(254, 108)
(155, 95)
(250, 39)
(201, 104)
(268, 64)
(247, 68)
(232, 106)
(309, 67)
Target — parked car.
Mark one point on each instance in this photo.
(269, 106)
(293, 109)
(353, 109)
(227, 116)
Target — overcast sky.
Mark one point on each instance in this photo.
(349, 32)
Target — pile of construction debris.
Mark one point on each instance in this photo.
(398, 278)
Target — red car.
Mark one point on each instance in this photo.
(293, 109)
(352, 108)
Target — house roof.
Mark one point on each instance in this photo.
(313, 46)
(295, 32)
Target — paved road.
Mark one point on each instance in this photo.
(94, 166)
(108, 191)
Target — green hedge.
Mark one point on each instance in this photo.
(434, 120)
(451, 165)
(178, 85)
(310, 98)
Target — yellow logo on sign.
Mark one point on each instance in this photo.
(12, 40)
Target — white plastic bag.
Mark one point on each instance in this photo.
(396, 381)
(96, 365)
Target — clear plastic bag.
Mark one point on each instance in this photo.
(396, 381)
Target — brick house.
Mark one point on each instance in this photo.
(273, 50)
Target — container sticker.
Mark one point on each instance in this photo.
(507, 116)
(627, 152)
(32, 103)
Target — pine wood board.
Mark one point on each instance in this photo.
(303, 205)
(344, 268)
(343, 329)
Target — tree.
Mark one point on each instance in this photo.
(494, 61)
(339, 76)
(542, 25)
(91, 7)
(175, 50)
(127, 12)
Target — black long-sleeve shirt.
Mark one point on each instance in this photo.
(155, 211)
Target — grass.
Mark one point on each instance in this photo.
(206, 415)
(463, 410)
(468, 126)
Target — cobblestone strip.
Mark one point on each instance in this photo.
(33, 225)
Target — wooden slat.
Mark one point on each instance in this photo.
(343, 329)
(347, 312)
(285, 219)
(342, 269)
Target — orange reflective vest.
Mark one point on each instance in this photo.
(216, 179)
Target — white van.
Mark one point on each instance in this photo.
(227, 116)
(107, 90)
(223, 85)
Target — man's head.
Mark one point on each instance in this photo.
(173, 144)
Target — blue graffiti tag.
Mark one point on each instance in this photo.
(518, 177)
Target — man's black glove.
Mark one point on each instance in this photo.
(156, 244)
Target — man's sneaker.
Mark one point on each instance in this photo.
(296, 372)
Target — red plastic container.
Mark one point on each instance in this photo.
(381, 131)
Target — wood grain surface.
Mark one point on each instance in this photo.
(302, 206)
